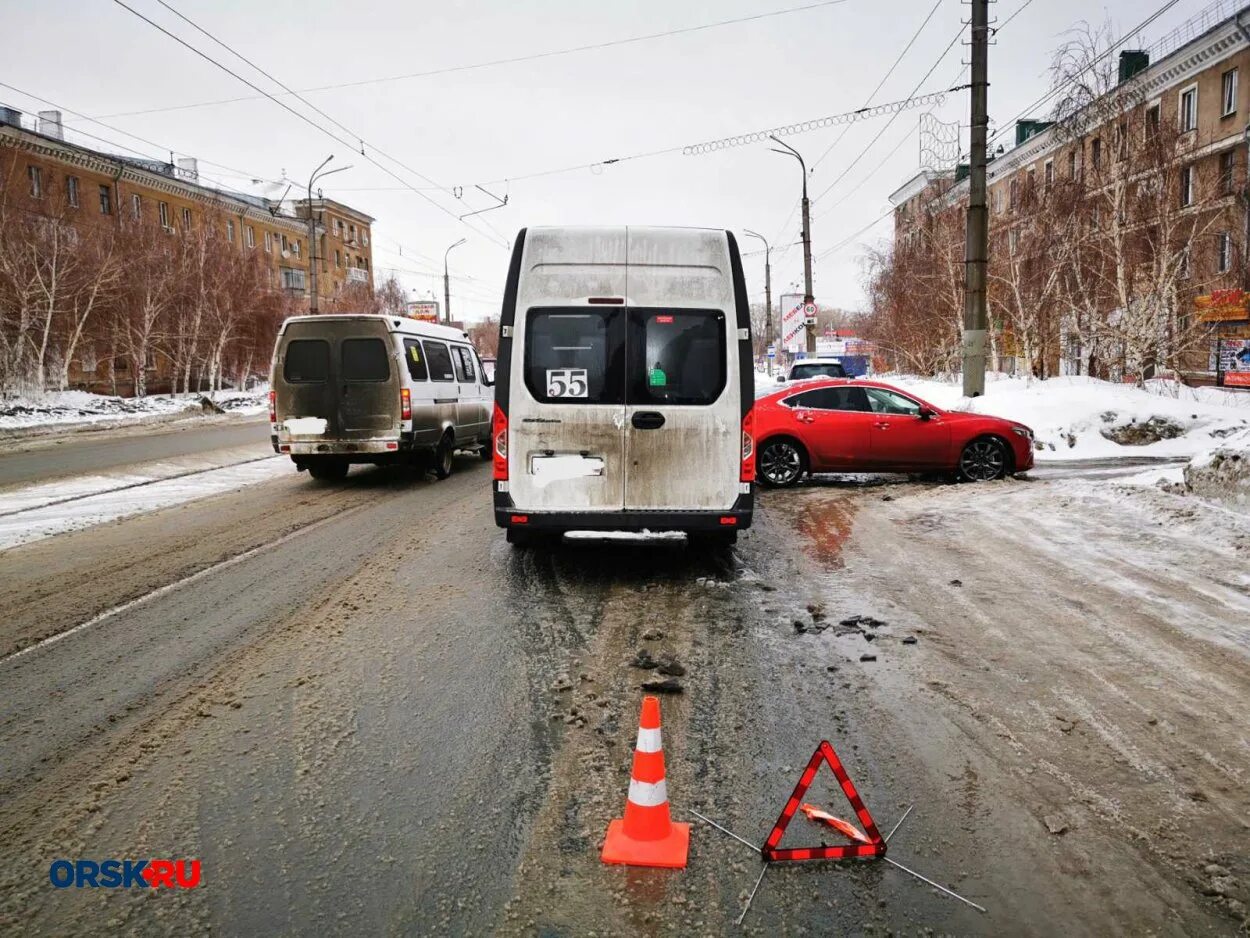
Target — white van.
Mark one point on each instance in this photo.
(375, 389)
(624, 385)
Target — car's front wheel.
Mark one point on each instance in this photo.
(983, 460)
(781, 463)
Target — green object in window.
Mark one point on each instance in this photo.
(658, 378)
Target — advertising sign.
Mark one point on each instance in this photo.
(793, 333)
(1234, 362)
(424, 310)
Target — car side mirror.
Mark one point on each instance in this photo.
(781, 379)
(927, 414)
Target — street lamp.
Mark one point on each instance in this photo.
(312, 229)
(447, 283)
(808, 299)
(768, 296)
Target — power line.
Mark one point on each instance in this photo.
(305, 118)
(592, 47)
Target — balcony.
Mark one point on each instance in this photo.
(357, 275)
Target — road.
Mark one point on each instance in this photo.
(365, 713)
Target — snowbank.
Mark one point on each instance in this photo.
(78, 407)
(1084, 418)
(1223, 472)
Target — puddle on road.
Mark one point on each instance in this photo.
(825, 521)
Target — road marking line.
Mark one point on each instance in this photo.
(177, 584)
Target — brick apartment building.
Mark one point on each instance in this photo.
(67, 180)
(1198, 82)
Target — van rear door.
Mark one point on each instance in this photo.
(683, 427)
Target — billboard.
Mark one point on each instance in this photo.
(793, 335)
(1234, 362)
(424, 310)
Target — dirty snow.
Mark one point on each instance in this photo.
(33, 512)
(26, 412)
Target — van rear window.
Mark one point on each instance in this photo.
(575, 356)
(307, 361)
(365, 360)
(676, 356)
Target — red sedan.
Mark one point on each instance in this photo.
(850, 425)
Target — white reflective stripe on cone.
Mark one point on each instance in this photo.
(646, 794)
(648, 740)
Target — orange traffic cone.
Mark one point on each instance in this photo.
(647, 836)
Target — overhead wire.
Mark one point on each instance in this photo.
(306, 119)
(530, 57)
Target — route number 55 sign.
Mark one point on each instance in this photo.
(567, 382)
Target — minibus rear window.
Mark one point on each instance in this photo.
(307, 361)
(575, 356)
(676, 356)
(365, 360)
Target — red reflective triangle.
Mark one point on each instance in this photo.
(824, 753)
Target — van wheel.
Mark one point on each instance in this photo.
(442, 457)
(711, 541)
(328, 469)
(485, 453)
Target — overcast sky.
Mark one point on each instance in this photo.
(511, 120)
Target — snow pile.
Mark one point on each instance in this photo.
(1084, 418)
(1223, 472)
(79, 407)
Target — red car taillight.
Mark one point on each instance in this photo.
(273, 406)
(748, 447)
(499, 444)
(405, 404)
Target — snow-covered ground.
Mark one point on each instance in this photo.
(55, 408)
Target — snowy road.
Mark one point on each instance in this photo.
(364, 712)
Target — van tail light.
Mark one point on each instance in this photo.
(273, 406)
(499, 444)
(405, 404)
(748, 447)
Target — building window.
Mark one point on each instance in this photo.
(1095, 153)
(286, 245)
(1121, 140)
(1152, 121)
(1226, 172)
(364, 237)
(338, 258)
(268, 242)
(1072, 165)
(230, 230)
(1189, 109)
(1013, 196)
(292, 278)
(1228, 93)
(136, 206)
(186, 219)
(1224, 252)
(1048, 172)
(106, 200)
(163, 209)
(35, 175)
(1182, 263)
(1187, 186)
(249, 236)
(352, 229)
(71, 191)
(295, 247)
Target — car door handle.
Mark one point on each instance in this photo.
(883, 425)
(648, 420)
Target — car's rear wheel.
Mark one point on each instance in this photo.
(328, 469)
(443, 456)
(781, 463)
(983, 460)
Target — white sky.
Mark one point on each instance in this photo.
(507, 121)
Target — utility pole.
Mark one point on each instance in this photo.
(768, 297)
(447, 283)
(312, 230)
(808, 298)
(976, 251)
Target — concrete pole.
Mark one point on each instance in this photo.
(976, 253)
(447, 283)
(768, 297)
(808, 298)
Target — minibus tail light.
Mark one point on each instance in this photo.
(273, 406)
(405, 404)
(748, 447)
(499, 444)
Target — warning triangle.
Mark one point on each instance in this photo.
(773, 852)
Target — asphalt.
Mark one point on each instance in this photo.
(364, 712)
(78, 453)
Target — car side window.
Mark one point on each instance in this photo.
(439, 361)
(464, 364)
(889, 402)
(415, 358)
(839, 398)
